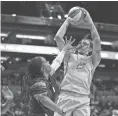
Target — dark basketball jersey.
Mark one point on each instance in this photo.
(40, 86)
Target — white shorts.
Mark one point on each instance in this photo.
(73, 104)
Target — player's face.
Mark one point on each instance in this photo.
(46, 65)
(84, 47)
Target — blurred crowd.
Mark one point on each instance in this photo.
(104, 101)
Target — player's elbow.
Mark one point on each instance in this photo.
(97, 48)
(40, 97)
(96, 57)
(44, 99)
(97, 42)
(57, 37)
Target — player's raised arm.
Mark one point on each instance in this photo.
(96, 57)
(60, 35)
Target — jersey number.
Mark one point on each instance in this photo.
(81, 65)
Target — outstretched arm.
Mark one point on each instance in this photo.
(59, 59)
(96, 57)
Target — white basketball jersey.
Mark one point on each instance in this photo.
(78, 74)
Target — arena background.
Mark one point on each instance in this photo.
(26, 26)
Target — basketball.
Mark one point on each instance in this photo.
(76, 13)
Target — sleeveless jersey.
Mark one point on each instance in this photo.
(78, 74)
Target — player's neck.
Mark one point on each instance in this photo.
(46, 75)
(82, 54)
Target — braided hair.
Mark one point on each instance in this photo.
(34, 72)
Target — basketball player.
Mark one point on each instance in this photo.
(39, 88)
(79, 68)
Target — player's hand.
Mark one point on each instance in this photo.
(68, 44)
(83, 23)
(71, 21)
(87, 17)
(7, 93)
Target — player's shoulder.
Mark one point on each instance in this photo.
(39, 83)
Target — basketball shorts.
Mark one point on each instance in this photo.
(73, 104)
